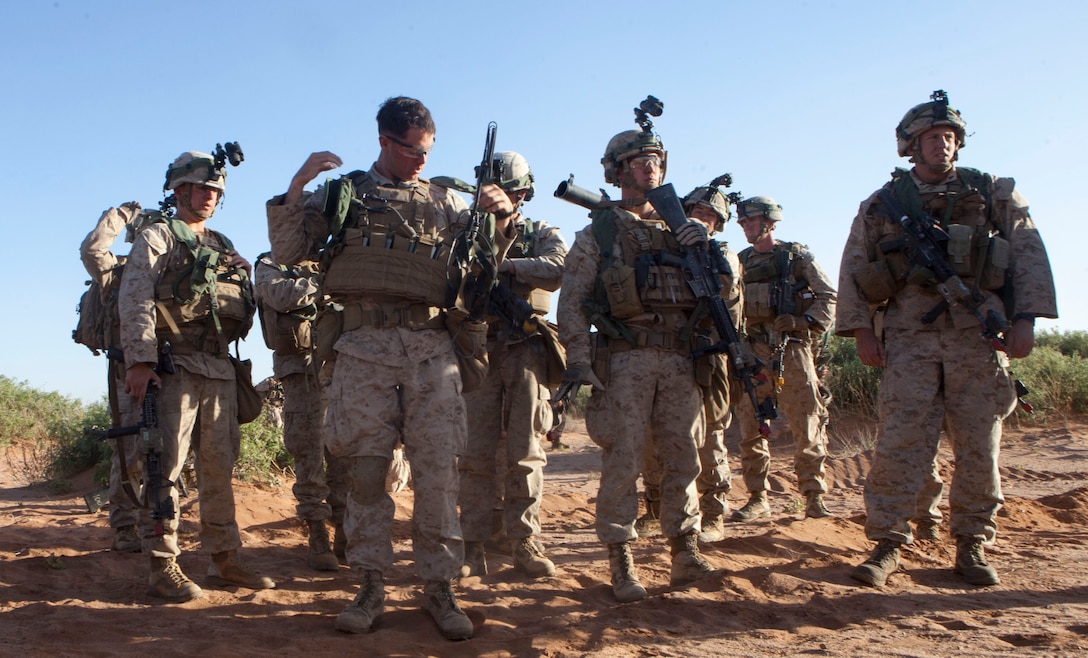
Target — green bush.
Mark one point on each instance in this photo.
(1069, 343)
(263, 457)
(853, 385)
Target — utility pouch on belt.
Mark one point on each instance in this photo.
(557, 355)
(622, 292)
(326, 331)
(250, 402)
(601, 355)
(875, 281)
(470, 347)
(996, 263)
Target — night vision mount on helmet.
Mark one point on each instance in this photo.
(710, 196)
(631, 143)
(922, 117)
(200, 168)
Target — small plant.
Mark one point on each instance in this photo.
(794, 506)
(262, 457)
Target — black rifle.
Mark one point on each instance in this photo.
(518, 318)
(471, 267)
(784, 302)
(702, 266)
(151, 443)
(923, 243)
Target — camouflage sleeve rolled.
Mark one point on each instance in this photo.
(852, 310)
(296, 230)
(544, 269)
(579, 280)
(1032, 279)
(282, 292)
(136, 299)
(95, 249)
(823, 307)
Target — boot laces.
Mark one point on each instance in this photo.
(174, 573)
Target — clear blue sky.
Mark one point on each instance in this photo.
(798, 100)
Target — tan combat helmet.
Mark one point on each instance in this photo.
(922, 117)
(516, 174)
(629, 144)
(195, 167)
(712, 198)
(760, 205)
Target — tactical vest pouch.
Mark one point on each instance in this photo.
(470, 347)
(285, 333)
(326, 331)
(665, 288)
(249, 400)
(996, 263)
(875, 281)
(757, 301)
(389, 265)
(540, 300)
(622, 292)
(960, 242)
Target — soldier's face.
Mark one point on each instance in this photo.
(706, 216)
(937, 148)
(755, 227)
(404, 157)
(642, 173)
(196, 202)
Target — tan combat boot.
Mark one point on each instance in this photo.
(755, 508)
(368, 606)
(125, 540)
(475, 563)
(320, 556)
(712, 528)
(882, 563)
(529, 558)
(452, 622)
(688, 565)
(649, 524)
(927, 530)
(814, 506)
(625, 585)
(168, 582)
(971, 563)
(229, 569)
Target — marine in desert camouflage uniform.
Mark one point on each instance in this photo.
(642, 385)
(289, 298)
(198, 403)
(512, 408)
(396, 372)
(710, 206)
(786, 325)
(942, 370)
(104, 267)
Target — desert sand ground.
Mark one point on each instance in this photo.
(783, 590)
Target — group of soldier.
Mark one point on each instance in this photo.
(378, 350)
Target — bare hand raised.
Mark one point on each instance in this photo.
(317, 163)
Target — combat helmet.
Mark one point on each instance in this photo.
(712, 198)
(516, 174)
(629, 144)
(923, 117)
(195, 167)
(760, 205)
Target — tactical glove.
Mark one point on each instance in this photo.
(692, 234)
(581, 373)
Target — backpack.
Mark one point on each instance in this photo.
(98, 325)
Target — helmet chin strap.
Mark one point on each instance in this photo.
(765, 228)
